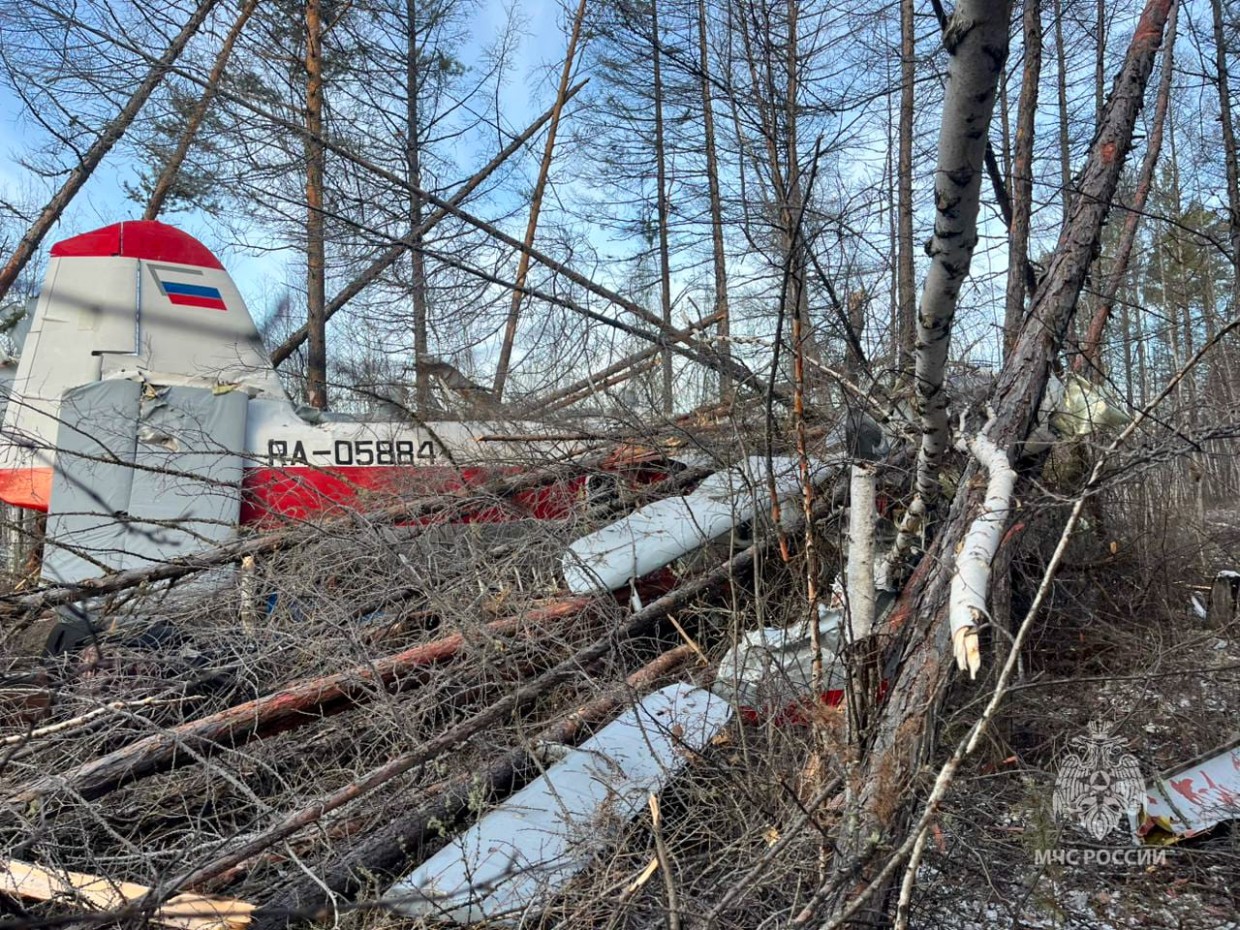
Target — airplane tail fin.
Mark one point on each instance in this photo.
(137, 300)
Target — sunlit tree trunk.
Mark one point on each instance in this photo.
(316, 296)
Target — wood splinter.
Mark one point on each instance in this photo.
(184, 912)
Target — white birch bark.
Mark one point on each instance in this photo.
(971, 582)
(861, 551)
(976, 40)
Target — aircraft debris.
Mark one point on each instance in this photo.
(658, 534)
(528, 848)
(1192, 798)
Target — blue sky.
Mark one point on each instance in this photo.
(260, 273)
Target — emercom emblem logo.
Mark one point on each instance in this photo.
(1098, 784)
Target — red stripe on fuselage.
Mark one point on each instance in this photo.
(273, 493)
(270, 494)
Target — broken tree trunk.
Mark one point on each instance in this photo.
(184, 912)
(287, 709)
(971, 581)
(861, 551)
(904, 734)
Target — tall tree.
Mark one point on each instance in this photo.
(316, 258)
(718, 257)
(1022, 174)
(906, 318)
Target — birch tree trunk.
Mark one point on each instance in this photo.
(976, 41)
(904, 734)
(112, 134)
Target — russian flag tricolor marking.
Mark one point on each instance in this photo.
(183, 294)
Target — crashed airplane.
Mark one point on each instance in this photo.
(146, 418)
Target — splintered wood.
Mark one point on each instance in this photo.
(184, 912)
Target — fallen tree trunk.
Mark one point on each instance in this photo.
(287, 709)
(397, 847)
(904, 735)
(184, 912)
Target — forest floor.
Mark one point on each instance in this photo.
(1122, 646)
(1118, 643)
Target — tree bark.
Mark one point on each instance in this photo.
(906, 317)
(976, 41)
(417, 258)
(316, 297)
(1022, 175)
(1091, 348)
(112, 134)
(1230, 159)
(718, 257)
(1061, 87)
(660, 158)
(904, 733)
